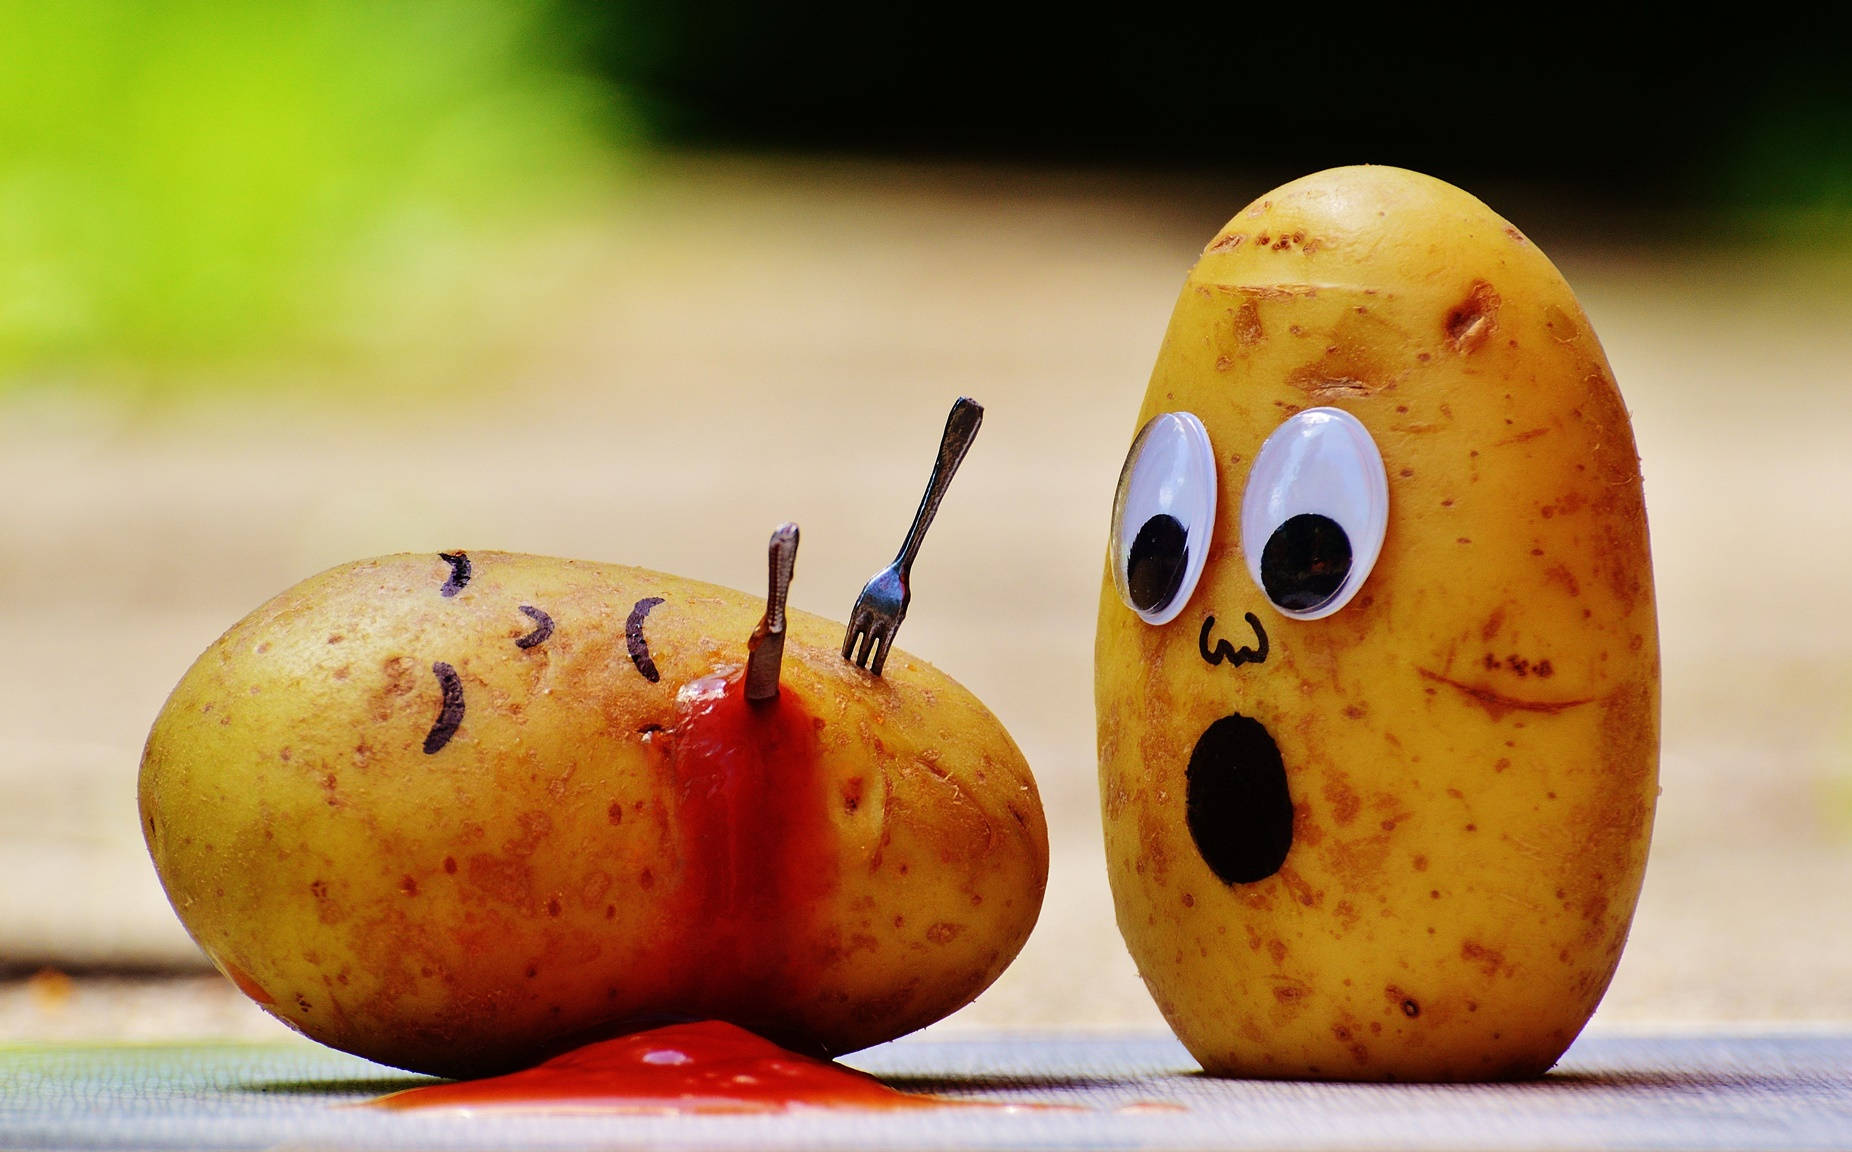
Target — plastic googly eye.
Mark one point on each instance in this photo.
(1315, 512)
(1163, 516)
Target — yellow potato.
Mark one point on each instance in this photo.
(1381, 822)
(457, 813)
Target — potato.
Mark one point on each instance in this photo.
(456, 813)
(1377, 662)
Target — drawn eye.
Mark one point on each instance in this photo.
(1163, 515)
(1314, 513)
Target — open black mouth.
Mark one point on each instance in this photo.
(1237, 805)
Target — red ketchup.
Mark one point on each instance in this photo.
(759, 854)
(708, 1066)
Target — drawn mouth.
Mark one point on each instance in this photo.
(1237, 805)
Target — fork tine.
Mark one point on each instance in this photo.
(882, 636)
(871, 643)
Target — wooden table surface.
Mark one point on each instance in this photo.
(1762, 1091)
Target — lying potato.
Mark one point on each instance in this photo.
(458, 812)
(1377, 663)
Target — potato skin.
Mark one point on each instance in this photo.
(1471, 744)
(528, 884)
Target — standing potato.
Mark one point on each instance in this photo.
(1377, 663)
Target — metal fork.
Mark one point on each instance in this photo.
(882, 605)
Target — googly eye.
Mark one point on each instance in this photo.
(1315, 512)
(1163, 515)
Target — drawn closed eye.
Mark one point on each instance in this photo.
(542, 630)
(450, 712)
(634, 642)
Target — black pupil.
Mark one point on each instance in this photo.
(1305, 562)
(1154, 571)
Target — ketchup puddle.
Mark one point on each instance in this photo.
(704, 1067)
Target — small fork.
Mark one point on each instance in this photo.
(882, 605)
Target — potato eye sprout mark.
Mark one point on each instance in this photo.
(459, 573)
(543, 629)
(634, 642)
(451, 714)
(767, 644)
(1225, 651)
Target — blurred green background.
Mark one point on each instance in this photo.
(194, 185)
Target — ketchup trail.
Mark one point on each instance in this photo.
(758, 854)
(708, 1066)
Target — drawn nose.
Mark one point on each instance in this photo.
(1236, 803)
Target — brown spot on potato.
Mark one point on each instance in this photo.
(1247, 323)
(1343, 800)
(944, 932)
(1301, 891)
(401, 680)
(1561, 576)
(1321, 386)
(1489, 961)
(503, 881)
(1227, 242)
(1468, 323)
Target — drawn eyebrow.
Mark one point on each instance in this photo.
(539, 634)
(459, 573)
(634, 642)
(451, 714)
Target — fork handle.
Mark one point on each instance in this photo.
(960, 430)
